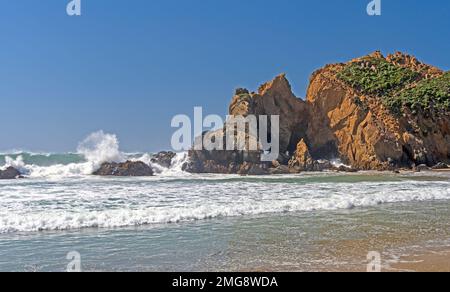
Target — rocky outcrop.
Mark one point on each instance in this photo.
(343, 127)
(10, 173)
(440, 166)
(372, 113)
(163, 158)
(360, 129)
(226, 162)
(275, 98)
(248, 168)
(302, 159)
(126, 169)
(422, 167)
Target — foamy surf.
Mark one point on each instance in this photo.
(78, 200)
(102, 203)
(97, 148)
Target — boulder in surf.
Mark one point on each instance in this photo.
(129, 168)
(10, 173)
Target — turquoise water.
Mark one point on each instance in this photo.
(44, 159)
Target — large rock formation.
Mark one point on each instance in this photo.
(275, 98)
(10, 173)
(129, 168)
(361, 113)
(373, 112)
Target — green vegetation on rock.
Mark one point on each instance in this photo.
(376, 76)
(428, 95)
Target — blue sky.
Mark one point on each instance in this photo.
(127, 67)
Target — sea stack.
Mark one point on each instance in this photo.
(371, 113)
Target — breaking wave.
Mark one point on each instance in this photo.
(133, 202)
(79, 200)
(97, 148)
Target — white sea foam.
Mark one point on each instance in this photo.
(177, 165)
(62, 171)
(79, 200)
(107, 203)
(99, 147)
(338, 163)
(174, 170)
(17, 163)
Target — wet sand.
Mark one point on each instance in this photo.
(442, 170)
(433, 261)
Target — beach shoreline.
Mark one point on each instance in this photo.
(429, 261)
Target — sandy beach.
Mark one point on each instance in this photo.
(432, 261)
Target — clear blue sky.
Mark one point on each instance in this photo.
(128, 66)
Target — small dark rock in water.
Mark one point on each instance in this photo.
(346, 169)
(164, 158)
(256, 169)
(129, 168)
(440, 165)
(422, 167)
(248, 168)
(282, 169)
(322, 165)
(10, 173)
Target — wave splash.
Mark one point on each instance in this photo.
(92, 152)
(17, 163)
(99, 147)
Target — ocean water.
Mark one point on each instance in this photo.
(182, 222)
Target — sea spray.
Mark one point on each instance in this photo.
(338, 163)
(177, 164)
(17, 163)
(99, 147)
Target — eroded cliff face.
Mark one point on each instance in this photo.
(275, 98)
(373, 113)
(350, 126)
(363, 131)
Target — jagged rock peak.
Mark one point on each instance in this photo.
(241, 91)
(279, 85)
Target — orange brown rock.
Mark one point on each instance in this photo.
(337, 121)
